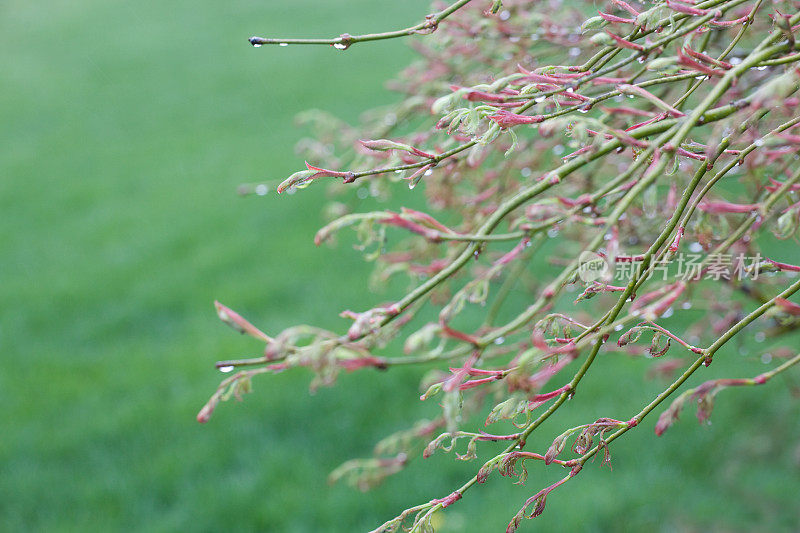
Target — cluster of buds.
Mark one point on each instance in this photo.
(657, 133)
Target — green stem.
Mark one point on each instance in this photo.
(346, 40)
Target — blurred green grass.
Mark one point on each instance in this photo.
(126, 128)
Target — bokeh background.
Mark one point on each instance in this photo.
(125, 128)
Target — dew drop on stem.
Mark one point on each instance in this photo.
(226, 369)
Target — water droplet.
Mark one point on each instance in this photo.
(552, 233)
(257, 45)
(686, 305)
(526, 172)
(558, 149)
(574, 51)
(505, 14)
(261, 189)
(618, 327)
(759, 142)
(766, 358)
(283, 44)
(514, 39)
(500, 340)
(340, 46)
(539, 99)
(762, 68)
(668, 313)
(735, 60)
(428, 172)
(695, 247)
(226, 369)
(760, 336)
(362, 193)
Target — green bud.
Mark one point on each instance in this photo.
(383, 145)
(298, 180)
(472, 122)
(433, 390)
(491, 134)
(601, 39)
(594, 23)
(662, 63)
(422, 338)
(786, 225)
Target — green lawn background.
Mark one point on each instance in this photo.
(125, 129)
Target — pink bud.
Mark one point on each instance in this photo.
(624, 43)
(614, 18)
(237, 322)
(448, 500)
(205, 413)
(726, 207)
(685, 9)
(635, 90)
(788, 307)
(506, 119)
(626, 6)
